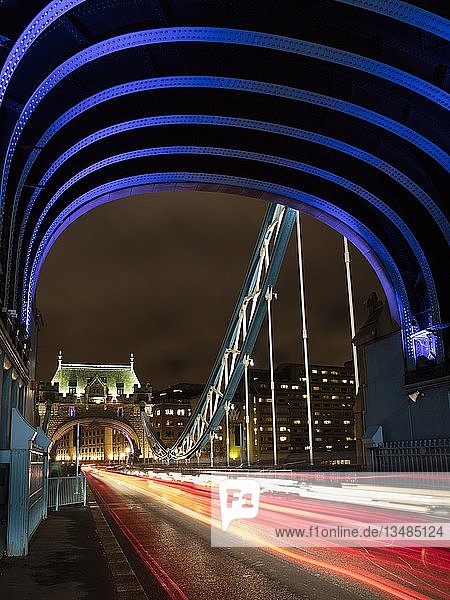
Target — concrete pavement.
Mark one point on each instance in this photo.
(72, 556)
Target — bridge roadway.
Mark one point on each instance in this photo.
(164, 530)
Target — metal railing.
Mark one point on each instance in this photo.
(418, 456)
(37, 489)
(63, 491)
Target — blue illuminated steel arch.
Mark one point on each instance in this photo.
(217, 35)
(348, 225)
(249, 86)
(406, 13)
(225, 121)
(56, 9)
(255, 87)
(235, 122)
(299, 166)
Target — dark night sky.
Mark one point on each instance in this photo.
(158, 275)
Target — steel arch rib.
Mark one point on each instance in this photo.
(406, 13)
(378, 163)
(275, 160)
(224, 36)
(224, 121)
(255, 87)
(401, 11)
(351, 226)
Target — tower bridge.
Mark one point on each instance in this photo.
(104, 398)
(336, 109)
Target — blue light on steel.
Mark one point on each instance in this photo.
(425, 344)
(348, 225)
(249, 86)
(224, 121)
(254, 156)
(224, 36)
(395, 9)
(221, 121)
(406, 13)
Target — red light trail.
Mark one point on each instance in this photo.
(403, 573)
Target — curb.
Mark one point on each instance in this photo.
(125, 581)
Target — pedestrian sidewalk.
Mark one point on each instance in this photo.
(72, 556)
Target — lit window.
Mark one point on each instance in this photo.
(180, 412)
(324, 372)
(344, 380)
(169, 411)
(283, 428)
(283, 386)
(297, 422)
(325, 380)
(283, 438)
(346, 422)
(314, 371)
(327, 422)
(328, 447)
(316, 388)
(295, 387)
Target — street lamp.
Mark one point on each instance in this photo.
(247, 361)
(270, 295)
(227, 424)
(305, 337)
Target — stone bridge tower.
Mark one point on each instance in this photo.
(106, 400)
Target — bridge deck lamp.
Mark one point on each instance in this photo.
(270, 295)
(247, 362)
(304, 337)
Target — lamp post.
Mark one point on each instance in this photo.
(305, 338)
(269, 297)
(77, 456)
(227, 425)
(247, 361)
(351, 311)
(211, 450)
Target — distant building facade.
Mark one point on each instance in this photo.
(332, 406)
(171, 409)
(332, 391)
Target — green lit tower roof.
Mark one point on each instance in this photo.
(119, 379)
